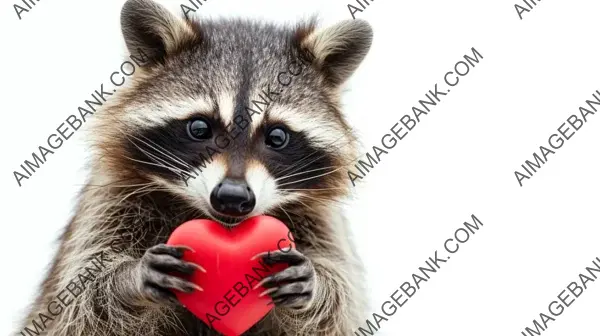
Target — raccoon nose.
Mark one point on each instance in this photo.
(233, 198)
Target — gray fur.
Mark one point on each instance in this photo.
(194, 65)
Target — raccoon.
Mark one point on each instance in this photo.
(205, 129)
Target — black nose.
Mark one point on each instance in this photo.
(232, 198)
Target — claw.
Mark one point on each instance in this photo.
(198, 267)
(198, 288)
(262, 282)
(262, 254)
(268, 291)
(184, 247)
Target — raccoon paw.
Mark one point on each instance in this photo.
(155, 273)
(294, 287)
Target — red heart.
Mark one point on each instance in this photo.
(228, 303)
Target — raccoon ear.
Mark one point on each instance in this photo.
(338, 50)
(150, 27)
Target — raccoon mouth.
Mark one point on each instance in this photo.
(227, 221)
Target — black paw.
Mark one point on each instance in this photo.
(158, 272)
(294, 286)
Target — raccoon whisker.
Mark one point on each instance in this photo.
(324, 201)
(285, 212)
(177, 160)
(303, 172)
(306, 164)
(145, 187)
(132, 193)
(331, 144)
(155, 158)
(308, 156)
(189, 211)
(166, 152)
(152, 156)
(112, 184)
(301, 161)
(153, 190)
(172, 169)
(308, 207)
(309, 178)
(317, 189)
(159, 161)
(349, 161)
(168, 164)
(118, 186)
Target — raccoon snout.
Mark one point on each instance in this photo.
(233, 198)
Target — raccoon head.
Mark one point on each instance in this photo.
(235, 117)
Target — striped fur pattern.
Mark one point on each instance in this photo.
(147, 178)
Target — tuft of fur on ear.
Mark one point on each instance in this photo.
(149, 26)
(338, 50)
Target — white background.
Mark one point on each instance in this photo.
(458, 161)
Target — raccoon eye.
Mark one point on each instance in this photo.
(277, 137)
(199, 129)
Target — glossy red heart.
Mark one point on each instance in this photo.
(228, 303)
